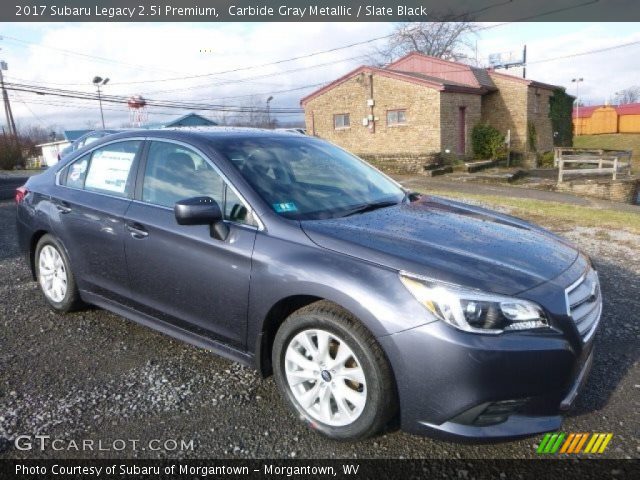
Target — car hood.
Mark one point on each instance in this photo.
(449, 241)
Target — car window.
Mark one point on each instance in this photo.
(110, 168)
(174, 172)
(76, 172)
(303, 178)
(90, 140)
(234, 209)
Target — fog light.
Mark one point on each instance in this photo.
(498, 412)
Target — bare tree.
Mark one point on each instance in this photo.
(629, 95)
(38, 134)
(254, 116)
(446, 39)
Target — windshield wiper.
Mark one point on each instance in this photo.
(368, 207)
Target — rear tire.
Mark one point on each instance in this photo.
(54, 275)
(333, 373)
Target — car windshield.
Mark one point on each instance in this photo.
(303, 178)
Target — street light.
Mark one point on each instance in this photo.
(577, 81)
(98, 82)
(269, 110)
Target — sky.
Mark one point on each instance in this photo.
(69, 55)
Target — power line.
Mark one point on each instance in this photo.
(21, 100)
(251, 67)
(589, 52)
(75, 106)
(161, 103)
(257, 77)
(238, 69)
(235, 108)
(558, 10)
(83, 55)
(302, 87)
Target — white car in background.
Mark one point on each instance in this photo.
(301, 131)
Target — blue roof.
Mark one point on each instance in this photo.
(188, 120)
(73, 135)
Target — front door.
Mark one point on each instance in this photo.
(93, 195)
(180, 273)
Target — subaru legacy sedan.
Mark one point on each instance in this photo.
(372, 306)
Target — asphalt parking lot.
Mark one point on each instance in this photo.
(94, 375)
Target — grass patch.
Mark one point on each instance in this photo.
(612, 141)
(556, 215)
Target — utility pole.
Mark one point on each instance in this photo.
(11, 124)
(524, 62)
(269, 110)
(577, 81)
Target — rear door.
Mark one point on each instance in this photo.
(91, 198)
(180, 273)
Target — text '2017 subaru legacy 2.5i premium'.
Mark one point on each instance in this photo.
(286, 253)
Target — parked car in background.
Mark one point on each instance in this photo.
(287, 253)
(86, 139)
(301, 131)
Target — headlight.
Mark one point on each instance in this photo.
(473, 310)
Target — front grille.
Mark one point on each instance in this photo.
(584, 303)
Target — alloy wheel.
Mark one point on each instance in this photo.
(325, 377)
(52, 273)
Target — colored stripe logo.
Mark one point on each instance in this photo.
(572, 443)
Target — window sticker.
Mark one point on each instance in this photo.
(109, 171)
(285, 207)
(77, 169)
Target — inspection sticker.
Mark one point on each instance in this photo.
(285, 207)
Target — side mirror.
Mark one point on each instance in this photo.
(202, 211)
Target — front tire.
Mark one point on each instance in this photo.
(333, 373)
(54, 275)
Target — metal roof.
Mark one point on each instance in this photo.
(628, 109)
(436, 73)
(73, 135)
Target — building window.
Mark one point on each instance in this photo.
(396, 117)
(341, 120)
(536, 105)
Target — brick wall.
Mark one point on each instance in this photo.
(538, 113)
(450, 104)
(432, 118)
(516, 105)
(400, 163)
(506, 110)
(419, 136)
(625, 190)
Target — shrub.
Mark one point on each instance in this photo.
(560, 111)
(532, 137)
(487, 142)
(449, 159)
(10, 154)
(546, 160)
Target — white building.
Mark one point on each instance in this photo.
(51, 151)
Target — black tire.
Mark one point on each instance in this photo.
(71, 300)
(381, 398)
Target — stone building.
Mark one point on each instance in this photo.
(405, 114)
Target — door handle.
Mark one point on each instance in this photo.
(137, 230)
(63, 207)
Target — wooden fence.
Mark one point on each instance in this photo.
(572, 161)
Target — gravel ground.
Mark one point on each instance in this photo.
(94, 375)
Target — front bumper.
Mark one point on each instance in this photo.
(445, 377)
